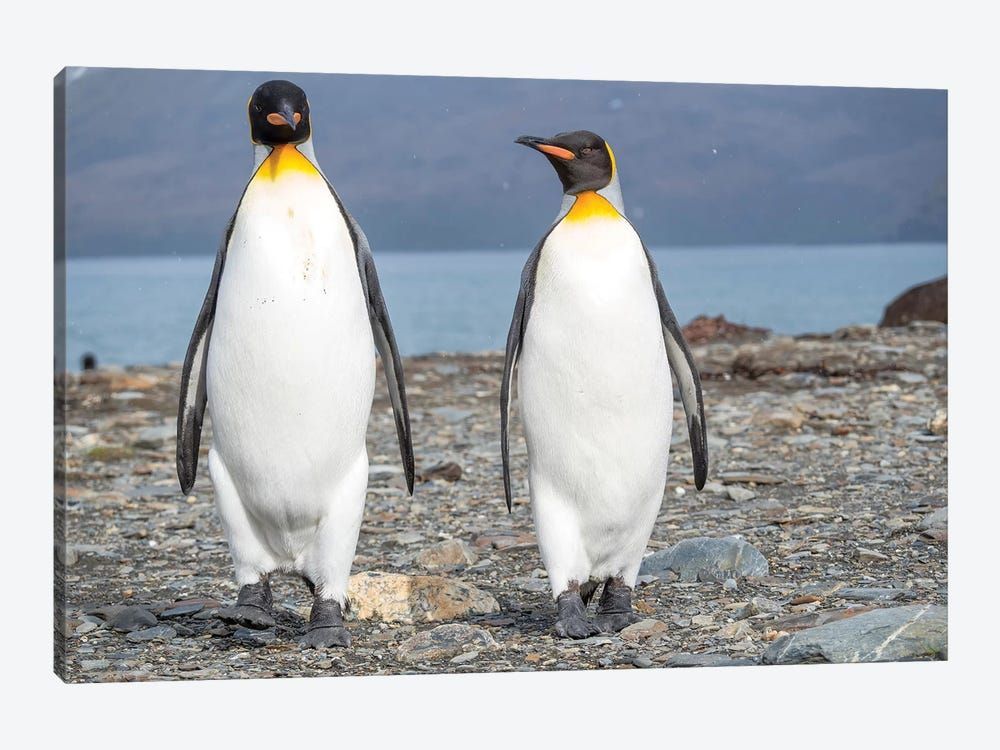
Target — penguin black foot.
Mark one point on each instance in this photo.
(614, 610)
(326, 626)
(572, 621)
(253, 607)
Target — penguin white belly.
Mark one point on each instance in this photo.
(596, 402)
(290, 377)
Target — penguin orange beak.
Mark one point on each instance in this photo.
(285, 116)
(546, 147)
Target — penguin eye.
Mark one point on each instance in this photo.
(586, 151)
(257, 108)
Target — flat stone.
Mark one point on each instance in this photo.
(938, 424)
(747, 477)
(444, 642)
(740, 494)
(253, 637)
(705, 660)
(814, 619)
(756, 606)
(155, 437)
(181, 611)
(131, 618)
(936, 520)
(395, 597)
(446, 554)
(448, 471)
(155, 633)
(642, 630)
(875, 594)
(914, 632)
(869, 555)
(90, 665)
(728, 557)
(531, 585)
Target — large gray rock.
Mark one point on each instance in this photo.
(727, 557)
(915, 632)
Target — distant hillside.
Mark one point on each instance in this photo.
(157, 159)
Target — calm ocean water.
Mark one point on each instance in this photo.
(142, 310)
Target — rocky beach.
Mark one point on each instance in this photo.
(821, 535)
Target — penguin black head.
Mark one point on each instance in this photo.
(279, 113)
(583, 160)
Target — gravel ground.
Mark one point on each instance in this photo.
(828, 455)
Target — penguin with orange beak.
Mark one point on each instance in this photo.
(282, 356)
(594, 341)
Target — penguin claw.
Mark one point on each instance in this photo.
(248, 616)
(576, 628)
(326, 637)
(612, 622)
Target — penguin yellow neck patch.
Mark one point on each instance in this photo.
(590, 205)
(284, 160)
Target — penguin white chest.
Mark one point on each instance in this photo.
(596, 398)
(291, 362)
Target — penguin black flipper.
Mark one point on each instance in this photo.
(194, 395)
(688, 379)
(385, 341)
(518, 324)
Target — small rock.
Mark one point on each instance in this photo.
(758, 605)
(875, 594)
(131, 618)
(793, 623)
(783, 419)
(869, 555)
(395, 597)
(531, 585)
(446, 554)
(702, 621)
(938, 424)
(253, 637)
(156, 633)
(444, 642)
(704, 660)
(642, 630)
(936, 520)
(448, 471)
(735, 630)
(89, 665)
(746, 477)
(466, 657)
(917, 631)
(642, 662)
(155, 437)
(181, 611)
(740, 494)
(729, 556)
(730, 584)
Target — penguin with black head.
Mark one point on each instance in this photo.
(282, 355)
(594, 341)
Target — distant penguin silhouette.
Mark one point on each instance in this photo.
(88, 361)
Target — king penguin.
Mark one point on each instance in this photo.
(283, 353)
(594, 340)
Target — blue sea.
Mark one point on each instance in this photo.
(141, 310)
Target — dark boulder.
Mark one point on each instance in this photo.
(923, 302)
(704, 329)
